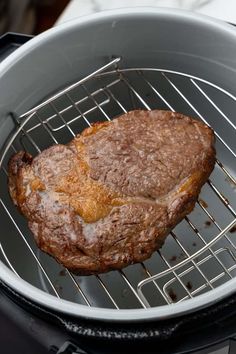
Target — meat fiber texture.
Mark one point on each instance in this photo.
(110, 197)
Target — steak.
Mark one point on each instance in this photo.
(110, 197)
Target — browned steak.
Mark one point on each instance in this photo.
(110, 197)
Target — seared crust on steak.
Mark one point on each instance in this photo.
(110, 197)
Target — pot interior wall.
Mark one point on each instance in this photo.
(154, 40)
(151, 38)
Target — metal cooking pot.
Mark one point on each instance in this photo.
(93, 69)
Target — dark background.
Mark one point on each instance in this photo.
(29, 16)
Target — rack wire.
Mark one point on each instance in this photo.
(185, 266)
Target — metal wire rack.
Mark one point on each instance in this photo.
(199, 255)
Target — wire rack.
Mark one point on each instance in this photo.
(199, 254)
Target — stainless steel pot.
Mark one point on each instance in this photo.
(93, 69)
